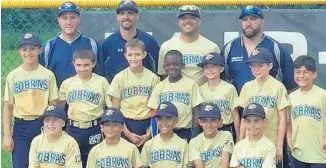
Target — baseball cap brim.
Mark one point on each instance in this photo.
(29, 42)
(63, 11)
(257, 61)
(164, 114)
(253, 114)
(188, 13)
(52, 115)
(203, 64)
(208, 116)
(251, 14)
(111, 120)
(126, 8)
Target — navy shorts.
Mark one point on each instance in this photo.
(184, 133)
(86, 139)
(299, 164)
(23, 134)
(138, 127)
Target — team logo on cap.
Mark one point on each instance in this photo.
(163, 106)
(252, 106)
(209, 56)
(50, 108)
(126, 1)
(28, 36)
(109, 112)
(208, 108)
(249, 7)
(255, 52)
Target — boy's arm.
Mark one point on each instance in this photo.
(8, 142)
(53, 91)
(227, 151)
(236, 120)
(280, 134)
(73, 156)
(242, 133)
(225, 159)
(194, 155)
(289, 136)
(195, 125)
(270, 160)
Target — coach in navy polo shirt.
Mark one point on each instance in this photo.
(113, 46)
(236, 52)
(57, 52)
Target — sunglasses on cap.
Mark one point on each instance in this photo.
(188, 7)
(68, 6)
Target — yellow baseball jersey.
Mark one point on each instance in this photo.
(260, 154)
(192, 55)
(60, 154)
(272, 95)
(86, 99)
(157, 153)
(224, 96)
(122, 155)
(308, 117)
(209, 150)
(30, 91)
(134, 89)
(184, 94)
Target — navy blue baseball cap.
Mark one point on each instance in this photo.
(260, 55)
(68, 7)
(30, 38)
(190, 10)
(112, 114)
(254, 109)
(55, 112)
(127, 5)
(253, 11)
(209, 110)
(212, 58)
(166, 109)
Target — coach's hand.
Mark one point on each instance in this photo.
(279, 153)
(144, 138)
(8, 143)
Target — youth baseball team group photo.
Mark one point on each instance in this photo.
(131, 103)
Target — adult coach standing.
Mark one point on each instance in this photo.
(190, 43)
(58, 51)
(237, 51)
(114, 45)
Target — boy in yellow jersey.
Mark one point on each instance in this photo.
(167, 149)
(29, 90)
(86, 95)
(212, 148)
(190, 43)
(113, 151)
(130, 90)
(271, 94)
(221, 93)
(181, 91)
(256, 150)
(54, 148)
(307, 128)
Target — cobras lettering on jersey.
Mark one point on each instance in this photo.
(20, 86)
(223, 104)
(181, 97)
(136, 91)
(192, 59)
(90, 96)
(265, 101)
(255, 162)
(165, 154)
(51, 157)
(209, 155)
(111, 161)
(306, 110)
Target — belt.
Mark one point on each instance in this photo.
(27, 118)
(84, 125)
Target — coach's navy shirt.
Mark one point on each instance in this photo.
(237, 71)
(57, 56)
(113, 53)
